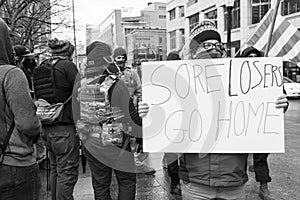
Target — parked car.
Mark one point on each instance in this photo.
(292, 88)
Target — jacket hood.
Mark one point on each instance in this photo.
(6, 50)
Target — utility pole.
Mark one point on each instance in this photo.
(74, 31)
(229, 5)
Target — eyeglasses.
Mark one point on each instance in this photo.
(209, 45)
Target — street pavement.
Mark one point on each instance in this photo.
(284, 170)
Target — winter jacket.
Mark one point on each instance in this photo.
(17, 106)
(65, 74)
(215, 170)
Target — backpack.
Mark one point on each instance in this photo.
(98, 116)
(45, 91)
(44, 79)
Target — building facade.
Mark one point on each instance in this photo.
(92, 33)
(176, 24)
(155, 14)
(114, 30)
(146, 44)
(111, 30)
(246, 14)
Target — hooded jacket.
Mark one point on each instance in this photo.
(17, 106)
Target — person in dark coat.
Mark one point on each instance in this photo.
(61, 138)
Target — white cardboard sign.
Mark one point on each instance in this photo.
(213, 106)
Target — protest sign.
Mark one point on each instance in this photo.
(213, 106)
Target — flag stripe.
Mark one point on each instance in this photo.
(261, 43)
(284, 25)
(278, 23)
(281, 37)
(262, 29)
(294, 51)
(289, 45)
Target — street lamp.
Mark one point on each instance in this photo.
(229, 6)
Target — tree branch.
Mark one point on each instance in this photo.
(2, 2)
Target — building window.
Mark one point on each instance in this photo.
(193, 21)
(172, 14)
(128, 30)
(160, 40)
(288, 8)
(173, 40)
(213, 15)
(259, 9)
(182, 36)
(235, 15)
(161, 7)
(181, 11)
(191, 2)
(162, 16)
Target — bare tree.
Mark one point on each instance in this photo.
(2, 2)
(32, 20)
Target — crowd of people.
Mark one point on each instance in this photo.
(103, 108)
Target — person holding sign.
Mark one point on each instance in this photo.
(211, 175)
(260, 167)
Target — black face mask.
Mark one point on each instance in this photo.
(211, 53)
(121, 65)
(29, 63)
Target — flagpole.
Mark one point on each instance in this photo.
(272, 28)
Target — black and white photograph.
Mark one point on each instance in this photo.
(149, 100)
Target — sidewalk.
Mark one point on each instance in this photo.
(156, 187)
(148, 186)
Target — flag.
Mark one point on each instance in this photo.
(285, 38)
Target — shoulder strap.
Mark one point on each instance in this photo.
(68, 99)
(12, 126)
(6, 140)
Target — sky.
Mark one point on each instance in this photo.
(95, 11)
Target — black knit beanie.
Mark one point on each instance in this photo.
(120, 52)
(60, 47)
(206, 30)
